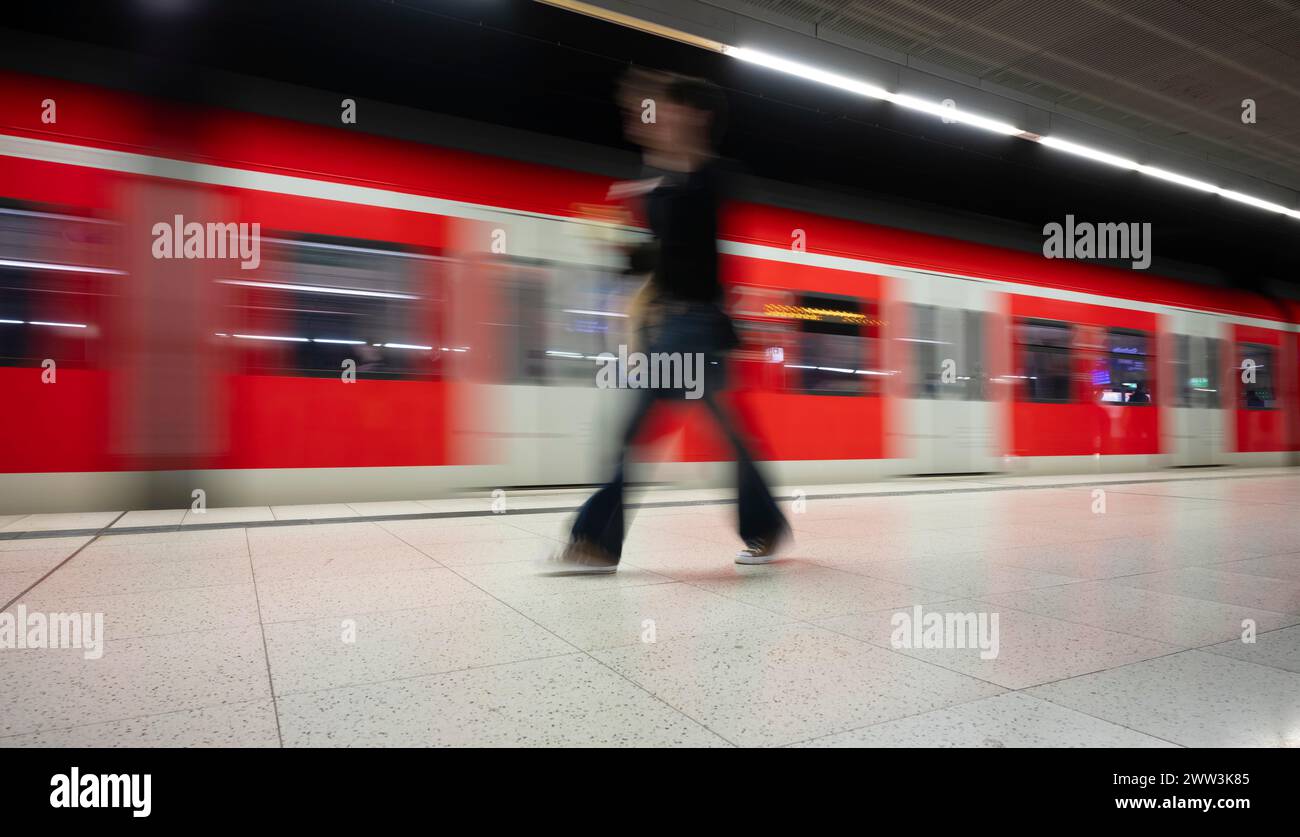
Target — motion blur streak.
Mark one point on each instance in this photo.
(439, 333)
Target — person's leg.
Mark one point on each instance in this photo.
(600, 521)
(760, 518)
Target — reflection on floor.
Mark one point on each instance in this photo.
(1070, 612)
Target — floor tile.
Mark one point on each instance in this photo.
(153, 517)
(156, 612)
(788, 683)
(805, 591)
(956, 575)
(1215, 585)
(388, 507)
(32, 560)
(84, 576)
(1011, 719)
(61, 521)
(347, 596)
(1286, 566)
(1025, 649)
(1128, 628)
(558, 702)
(642, 614)
(1193, 698)
(246, 724)
(1279, 649)
(242, 514)
(12, 584)
(1177, 620)
(326, 653)
(55, 689)
(519, 580)
(314, 511)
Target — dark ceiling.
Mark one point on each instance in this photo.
(1172, 73)
(530, 66)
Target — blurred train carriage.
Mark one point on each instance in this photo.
(471, 296)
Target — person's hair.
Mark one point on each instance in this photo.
(699, 94)
(638, 83)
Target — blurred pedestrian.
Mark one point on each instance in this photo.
(679, 311)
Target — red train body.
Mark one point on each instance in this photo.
(869, 351)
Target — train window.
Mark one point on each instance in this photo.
(1182, 366)
(1257, 368)
(925, 349)
(838, 346)
(557, 319)
(1122, 373)
(317, 303)
(971, 373)
(1196, 371)
(1044, 361)
(947, 350)
(55, 280)
(1207, 383)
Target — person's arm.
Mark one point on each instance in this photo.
(642, 260)
(641, 313)
(627, 189)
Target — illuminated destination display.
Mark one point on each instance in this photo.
(804, 312)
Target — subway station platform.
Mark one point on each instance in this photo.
(1114, 607)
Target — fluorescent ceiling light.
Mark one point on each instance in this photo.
(1250, 200)
(1163, 174)
(57, 325)
(862, 88)
(794, 68)
(1090, 153)
(1189, 182)
(955, 115)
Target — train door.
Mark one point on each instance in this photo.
(1195, 347)
(949, 414)
(549, 308)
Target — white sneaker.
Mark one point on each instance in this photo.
(580, 559)
(762, 550)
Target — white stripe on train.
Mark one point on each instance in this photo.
(172, 169)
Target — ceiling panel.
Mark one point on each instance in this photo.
(1169, 71)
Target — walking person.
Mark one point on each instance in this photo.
(678, 312)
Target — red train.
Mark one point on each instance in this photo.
(468, 295)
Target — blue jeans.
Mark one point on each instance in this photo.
(687, 330)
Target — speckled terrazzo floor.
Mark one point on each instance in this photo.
(1120, 628)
